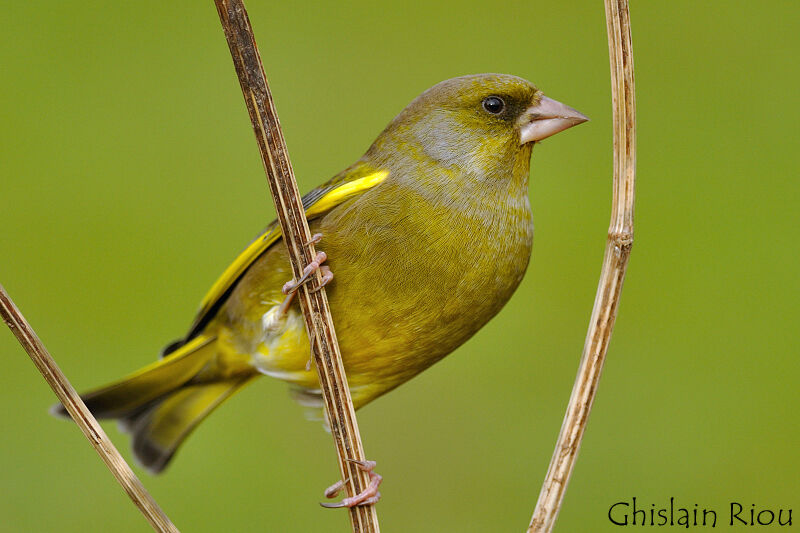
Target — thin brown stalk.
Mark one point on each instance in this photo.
(78, 411)
(615, 263)
(314, 303)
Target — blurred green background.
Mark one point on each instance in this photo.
(130, 177)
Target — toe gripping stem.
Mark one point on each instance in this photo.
(368, 496)
(290, 287)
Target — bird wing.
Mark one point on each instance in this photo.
(352, 182)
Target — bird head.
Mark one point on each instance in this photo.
(480, 123)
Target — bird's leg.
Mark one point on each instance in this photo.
(327, 276)
(290, 287)
(368, 496)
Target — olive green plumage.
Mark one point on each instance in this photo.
(424, 253)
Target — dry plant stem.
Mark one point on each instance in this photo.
(78, 411)
(319, 324)
(615, 262)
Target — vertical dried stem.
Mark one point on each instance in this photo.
(296, 235)
(615, 263)
(78, 411)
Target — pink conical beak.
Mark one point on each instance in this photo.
(547, 118)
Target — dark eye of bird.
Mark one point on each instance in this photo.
(494, 104)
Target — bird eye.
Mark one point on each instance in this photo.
(494, 105)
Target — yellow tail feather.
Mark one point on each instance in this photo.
(163, 402)
(121, 398)
(159, 429)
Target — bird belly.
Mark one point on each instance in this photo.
(399, 304)
(422, 287)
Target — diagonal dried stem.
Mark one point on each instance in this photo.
(78, 411)
(319, 323)
(615, 263)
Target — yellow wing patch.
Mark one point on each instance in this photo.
(237, 268)
(341, 193)
(327, 201)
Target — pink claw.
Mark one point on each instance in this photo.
(314, 239)
(327, 276)
(336, 488)
(291, 286)
(368, 496)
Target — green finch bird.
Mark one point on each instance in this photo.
(428, 234)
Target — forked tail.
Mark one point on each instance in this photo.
(163, 402)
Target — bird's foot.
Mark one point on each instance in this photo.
(314, 239)
(368, 496)
(290, 287)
